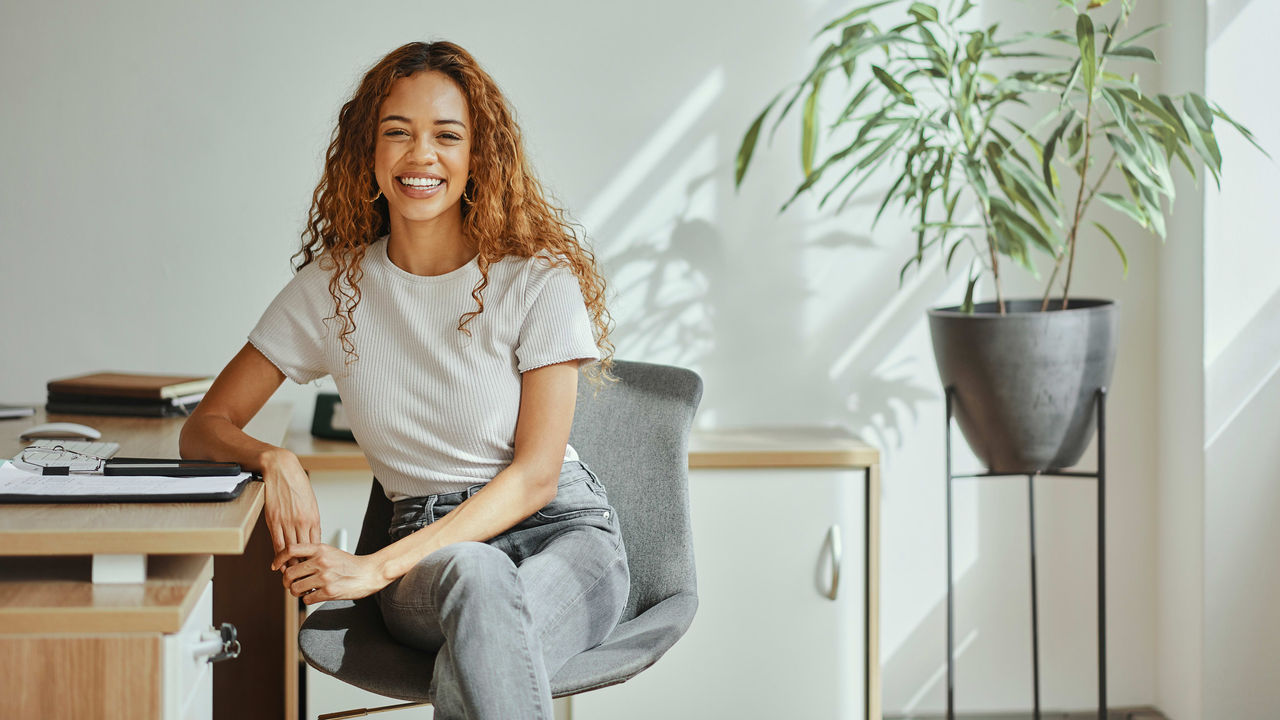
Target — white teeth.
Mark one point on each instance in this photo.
(421, 182)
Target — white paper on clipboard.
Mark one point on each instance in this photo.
(16, 481)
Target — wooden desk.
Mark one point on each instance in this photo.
(782, 449)
(69, 647)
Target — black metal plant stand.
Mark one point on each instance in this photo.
(1100, 475)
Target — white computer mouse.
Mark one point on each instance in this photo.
(61, 430)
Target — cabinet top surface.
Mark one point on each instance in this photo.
(55, 595)
(713, 448)
(133, 528)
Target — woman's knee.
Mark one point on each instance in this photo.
(474, 568)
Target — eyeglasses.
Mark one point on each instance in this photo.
(57, 456)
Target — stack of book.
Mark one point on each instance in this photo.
(127, 394)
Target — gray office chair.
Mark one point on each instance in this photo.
(635, 434)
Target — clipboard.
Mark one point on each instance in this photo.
(203, 496)
(21, 486)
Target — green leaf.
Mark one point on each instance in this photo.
(1027, 233)
(1218, 111)
(849, 35)
(951, 254)
(1116, 244)
(1156, 110)
(809, 129)
(1198, 110)
(1133, 160)
(1211, 144)
(873, 122)
(923, 12)
(1071, 82)
(1126, 206)
(1211, 157)
(1095, 4)
(1141, 34)
(973, 50)
(1147, 199)
(1174, 147)
(1049, 147)
(1042, 194)
(863, 93)
(893, 85)
(856, 12)
(967, 305)
(749, 143)
(1088, 60)
(1116, 105)
(888, 196)
(1075, 140)
(1157, 162)
(884, 146)
(1133, 51)
(819, 67)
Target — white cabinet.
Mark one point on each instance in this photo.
(768, 640)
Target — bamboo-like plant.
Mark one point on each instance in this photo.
(943, 103)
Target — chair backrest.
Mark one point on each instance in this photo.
(634, 434)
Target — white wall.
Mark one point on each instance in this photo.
(157, 163)
(1180, 415)
(1242, 376)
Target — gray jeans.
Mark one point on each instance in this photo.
(504, 616)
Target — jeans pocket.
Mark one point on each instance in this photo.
(405, 529)
(576, 500)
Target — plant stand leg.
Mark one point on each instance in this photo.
(1102, 554)
(1035, 615)
(951, 680)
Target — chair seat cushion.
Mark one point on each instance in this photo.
(349, 641)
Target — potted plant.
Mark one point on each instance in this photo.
(1001, 148)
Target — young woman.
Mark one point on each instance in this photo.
(453, 306)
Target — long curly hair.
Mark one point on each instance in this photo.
(506, 213)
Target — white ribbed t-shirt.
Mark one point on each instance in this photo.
(433, 410)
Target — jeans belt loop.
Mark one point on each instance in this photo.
(429, 508)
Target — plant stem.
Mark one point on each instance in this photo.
(1044, 304)
(995, 263)
(1075, 224)
(1048, 288)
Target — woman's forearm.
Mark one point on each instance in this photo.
(213, 437)
(513, 495)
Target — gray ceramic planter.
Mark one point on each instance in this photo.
(1024, 382)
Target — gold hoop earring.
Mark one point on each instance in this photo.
(467, 197)
(375, 197)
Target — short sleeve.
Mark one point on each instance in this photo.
(292, 331)
(556, 327)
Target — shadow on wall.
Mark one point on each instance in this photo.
(686, 292)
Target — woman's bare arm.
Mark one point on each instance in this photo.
(547, 398)
(215, 432)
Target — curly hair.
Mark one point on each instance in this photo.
(506, 214)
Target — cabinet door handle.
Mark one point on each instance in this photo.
(217, 644)
(836, 548)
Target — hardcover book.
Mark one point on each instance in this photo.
(131, 385)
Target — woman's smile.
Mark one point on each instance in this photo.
(420, 185)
